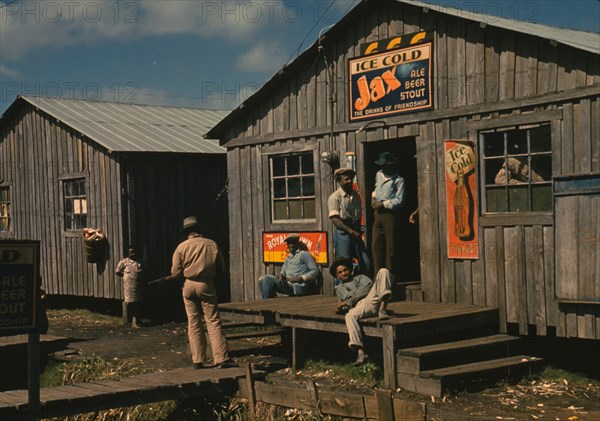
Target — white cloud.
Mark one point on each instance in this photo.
(264, 57)
(13, 74)
(28, 26)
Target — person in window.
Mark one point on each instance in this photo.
(386, 201)
(130, 269)
(359, 297)
(345, 212)
(516, 171)
(298, 274)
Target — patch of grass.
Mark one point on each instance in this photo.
(82, 317)
(367, 374)
(558, 375)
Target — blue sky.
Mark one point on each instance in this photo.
(200, 54)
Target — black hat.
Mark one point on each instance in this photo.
(189, 222)
(386, 158)
(344, 261)
(343, 171)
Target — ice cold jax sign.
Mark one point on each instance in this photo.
(390, 83)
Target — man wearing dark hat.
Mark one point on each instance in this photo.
(360, 298)
(298, 274)
(199, 260)
(345, 212)
(386, 200)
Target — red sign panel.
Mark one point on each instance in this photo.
(461, 198)
(275, 248)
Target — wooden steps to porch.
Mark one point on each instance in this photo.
(474, 362)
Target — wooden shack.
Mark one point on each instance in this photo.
(445, 90)
(132, 171)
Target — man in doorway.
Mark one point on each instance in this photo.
(360, 298)
(345, 212)
(386, 201)
(298, 274)
(199, 260)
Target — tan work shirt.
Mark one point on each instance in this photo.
(197, 258)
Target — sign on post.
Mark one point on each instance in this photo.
(19, 284)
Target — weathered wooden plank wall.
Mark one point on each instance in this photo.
(163, 189)
(480, 73)
(37, 153)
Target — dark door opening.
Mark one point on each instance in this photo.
(405, 148)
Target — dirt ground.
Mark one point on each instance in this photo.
(164, 346)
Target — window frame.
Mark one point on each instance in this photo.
(63, 181)
(554, 118)
(9, 232)
(504, 156)
(285, 177)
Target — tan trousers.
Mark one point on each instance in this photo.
(368, 307)
(200, 299)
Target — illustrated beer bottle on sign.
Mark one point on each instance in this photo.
(461, 197)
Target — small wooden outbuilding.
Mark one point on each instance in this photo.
(457, 95)
(133, 171)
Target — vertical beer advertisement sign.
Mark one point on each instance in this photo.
(461, 200)
(19, 277)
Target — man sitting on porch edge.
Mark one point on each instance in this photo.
(298, 273)
(361, 298)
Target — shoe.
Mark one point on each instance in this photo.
(362, 359)
(226, 364)
(198, 366)
(343, 310)
(383, 315)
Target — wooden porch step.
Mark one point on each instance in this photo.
(435, 382)
(418, 359)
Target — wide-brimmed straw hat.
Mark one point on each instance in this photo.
(189, 222)
(292, 238)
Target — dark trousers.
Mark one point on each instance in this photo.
(385, 241)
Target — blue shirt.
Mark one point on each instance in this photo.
(300, 263)
(353, 291)
(389, 189)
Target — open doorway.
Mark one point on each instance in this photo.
(408, 266)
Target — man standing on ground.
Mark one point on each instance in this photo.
(298, 274)
(386, 201)
(345, 212)
(360, 298)
(199, 260)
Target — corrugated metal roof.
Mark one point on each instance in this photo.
(588, 41)
(136, 128)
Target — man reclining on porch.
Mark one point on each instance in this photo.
(298, 273)
(360, 298)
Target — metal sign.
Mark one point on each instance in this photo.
(19, 284)
(391, 83)
(275, 248)
(461, 200)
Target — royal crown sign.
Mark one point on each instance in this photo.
(391, 82)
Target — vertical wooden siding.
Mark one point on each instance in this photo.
(163, 189)
(472, 66)
(37, 152)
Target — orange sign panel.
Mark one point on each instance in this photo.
(461, 198)
(275, 249)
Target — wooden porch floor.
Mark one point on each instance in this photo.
(318, 312)
(411, 322)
